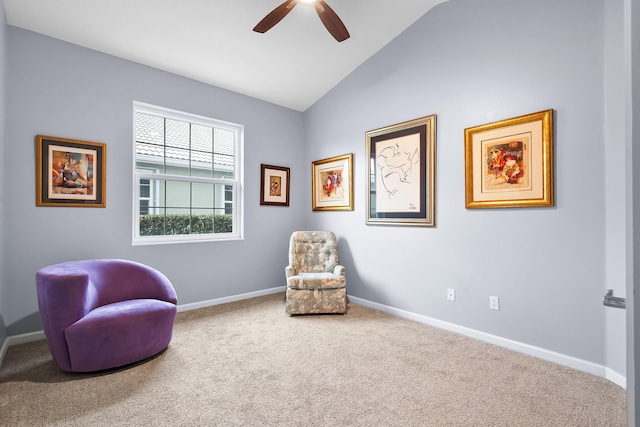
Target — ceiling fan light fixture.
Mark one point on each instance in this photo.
(329, 18)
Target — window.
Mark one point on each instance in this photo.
(145, 193)
(228, 199)
(187, 177)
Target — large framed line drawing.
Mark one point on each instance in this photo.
(332, 184)
(401, 171)
(70, 172)
(509, 163)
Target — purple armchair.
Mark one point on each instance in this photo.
(102, 314)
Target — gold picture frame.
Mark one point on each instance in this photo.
(274, 185)
(70, 172)
(401, 173)
(509, 163)
(332, 184)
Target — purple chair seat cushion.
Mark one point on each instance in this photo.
(120, 333)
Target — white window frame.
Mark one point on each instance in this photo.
(237, 183)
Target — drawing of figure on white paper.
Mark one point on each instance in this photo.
(398, 173)
(396, 168)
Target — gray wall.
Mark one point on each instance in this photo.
(64, 90)
(3, 186)
(471, 63)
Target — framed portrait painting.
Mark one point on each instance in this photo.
(274, 185)
(70, 172)
(332, 184)
(401, 174)
(509, 163)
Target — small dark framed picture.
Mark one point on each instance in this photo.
(274, 185)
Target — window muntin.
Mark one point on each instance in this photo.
(187, 177)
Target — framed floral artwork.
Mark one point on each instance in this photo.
(332, 184)
(509, 163)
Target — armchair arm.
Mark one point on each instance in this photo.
(64, 297)
(339, 270)
(289, 271)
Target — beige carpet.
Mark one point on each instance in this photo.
(248, 364)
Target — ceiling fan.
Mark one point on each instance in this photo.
(329, 18)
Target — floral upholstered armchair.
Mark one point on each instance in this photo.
(316, 282)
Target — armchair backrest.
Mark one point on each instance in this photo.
(313, 251)
(120, 280)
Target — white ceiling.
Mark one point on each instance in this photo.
(293, 64)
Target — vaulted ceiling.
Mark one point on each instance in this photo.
(293, 64)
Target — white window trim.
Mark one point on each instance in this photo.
(238, 183)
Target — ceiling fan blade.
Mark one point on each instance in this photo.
(331, 21)
(275, 16)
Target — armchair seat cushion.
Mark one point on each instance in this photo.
(316, 281)
(120, 333)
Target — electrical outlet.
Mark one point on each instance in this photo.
(494, 303)
(451, 294)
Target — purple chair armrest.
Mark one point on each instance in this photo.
(64, 297)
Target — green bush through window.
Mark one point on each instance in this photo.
(161, 225)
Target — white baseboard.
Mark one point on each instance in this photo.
(19, 339)
(541, 353)
(209, 303)
(616, 378)
(3, 350)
